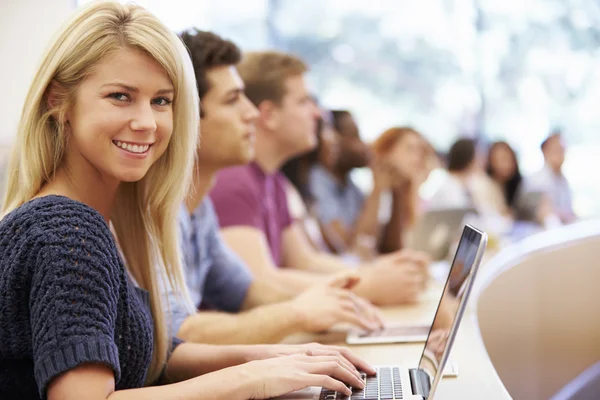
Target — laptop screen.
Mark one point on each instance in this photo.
(445, 316)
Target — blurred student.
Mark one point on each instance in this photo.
(251, 200)
(456, 191)
(551, 181)
(342, 208)
(503, 168)
(403, 150)
(215, 275)
(302, 204)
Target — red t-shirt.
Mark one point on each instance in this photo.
(246, 196)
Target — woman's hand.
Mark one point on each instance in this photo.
(350, 359)
(280, 375)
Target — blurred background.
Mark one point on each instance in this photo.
(491, 69)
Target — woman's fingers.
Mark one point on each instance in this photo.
(325, 352)
(358, 362)
(348, 354)
(331, 366)
(328, 383)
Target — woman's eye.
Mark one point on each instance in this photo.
(162, 101)
(119, 96)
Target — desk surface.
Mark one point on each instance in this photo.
(476, 379)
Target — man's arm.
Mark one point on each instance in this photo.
(263, 292)
(266, 324)
(251, 245)
(367, 228)
(229, 276)
(298, 253)
(391, 239)
(315, 310)
(367, 223)
(393, 279)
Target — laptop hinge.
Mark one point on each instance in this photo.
(420, 382)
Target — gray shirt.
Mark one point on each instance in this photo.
(214, 274)
(334, 201)
(555, 186)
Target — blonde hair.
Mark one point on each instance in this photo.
(145, 212)
(264, 74)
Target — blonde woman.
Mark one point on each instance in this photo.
(107, 136)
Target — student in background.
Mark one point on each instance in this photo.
(215, 275)
(456, 191)
(403, 149)
(251, 201)
(108, 136)
(503, 168)
(551, 180)
(341, 206)
(300, 199)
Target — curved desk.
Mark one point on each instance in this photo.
(521, 337)
(538, 309)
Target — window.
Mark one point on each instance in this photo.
(509, 71)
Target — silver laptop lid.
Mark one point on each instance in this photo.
(452, 303)
(437, 229)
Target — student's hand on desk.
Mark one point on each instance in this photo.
(394, 283)
(281, 375)
(324, 305)
(402, 257)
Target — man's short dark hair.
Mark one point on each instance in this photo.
(208, 50)
(461, 155)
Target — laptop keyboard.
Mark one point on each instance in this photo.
(385, 385)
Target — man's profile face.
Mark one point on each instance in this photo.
(227, 132)
(296, 117)
(554, 152)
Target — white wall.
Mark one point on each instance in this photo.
(26, 27)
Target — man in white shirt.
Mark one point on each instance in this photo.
(550, 179)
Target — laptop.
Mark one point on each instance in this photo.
(459, 272)
(527, 205)
(437, 229)
(394, 382)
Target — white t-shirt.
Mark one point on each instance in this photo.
(453, 193)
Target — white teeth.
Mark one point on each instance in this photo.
(132, 148)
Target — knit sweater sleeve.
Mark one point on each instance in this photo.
(74, 299)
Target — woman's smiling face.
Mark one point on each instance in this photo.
(122, 117)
